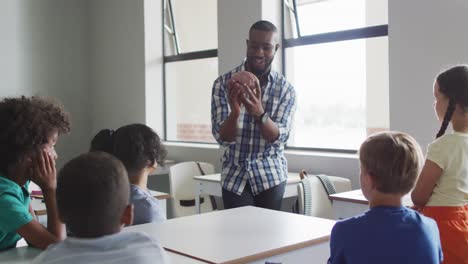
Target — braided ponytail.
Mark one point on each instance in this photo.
(447, 118)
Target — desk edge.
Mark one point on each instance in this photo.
(278, 251)
(350, 200)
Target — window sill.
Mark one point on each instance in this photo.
(191, 145)
(315, 153)
(288, 152)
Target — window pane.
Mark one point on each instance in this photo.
(188, 99)
(196, 26)
(320, 16)
(342, 92)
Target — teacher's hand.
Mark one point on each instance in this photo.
(252, 99)
(234, 91)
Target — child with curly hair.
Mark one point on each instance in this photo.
(141, 151)
(29, 130)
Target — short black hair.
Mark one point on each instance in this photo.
(92, 194)
(263, 25)
(25, 125)
(135, 145)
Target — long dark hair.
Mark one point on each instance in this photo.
(453, 83)
(135, 145)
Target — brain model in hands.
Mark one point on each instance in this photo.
(246, 78)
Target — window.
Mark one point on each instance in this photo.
(190, 68)
(336, 56)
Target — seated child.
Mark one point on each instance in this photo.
(140, 150)
(92, 198)
(29, 130)
(388, 232)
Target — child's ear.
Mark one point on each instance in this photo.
(127, 216)
(370, 180)
(152, 166)
(366, 178)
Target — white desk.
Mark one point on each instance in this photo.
(40, 208)
(20, 255)
(241, 235)
(245, 235)
(352, 203)
(25, 255)
(211, 185)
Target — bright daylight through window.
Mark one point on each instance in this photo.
(336, 56)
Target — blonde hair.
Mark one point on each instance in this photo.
(393, 159)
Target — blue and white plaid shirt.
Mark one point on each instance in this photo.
(250, 157)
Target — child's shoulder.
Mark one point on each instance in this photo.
(449, 139)
(400, 219)
(142, 198)
(10, 190)
(353, 222)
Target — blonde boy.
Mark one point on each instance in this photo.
(388, 232)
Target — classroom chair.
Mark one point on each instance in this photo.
(313, 191)
(182, 188)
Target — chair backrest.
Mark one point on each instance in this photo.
(182, 186)
(318, 204)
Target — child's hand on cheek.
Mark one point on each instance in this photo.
(44, 171)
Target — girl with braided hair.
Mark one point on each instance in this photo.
(441, 191)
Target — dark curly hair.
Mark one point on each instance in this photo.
(25, 124)
(134, 145)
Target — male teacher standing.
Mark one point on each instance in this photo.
(253, 125)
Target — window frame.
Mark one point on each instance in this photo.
(328, 37)
(184, 56)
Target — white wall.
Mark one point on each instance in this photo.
(153, 65)
(45, 51)
(425, 37)
(234, 21)
(377, 101)
(117, 63)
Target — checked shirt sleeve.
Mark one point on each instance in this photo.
(219, 109)
(284, 114)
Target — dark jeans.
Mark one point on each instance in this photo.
(270, 199)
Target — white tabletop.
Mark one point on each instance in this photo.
(25, 255)
(356, 196)
(293, 177)
(19, 255)
(247, 233)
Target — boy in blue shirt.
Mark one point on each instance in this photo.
(388, 232)
(29, 130)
